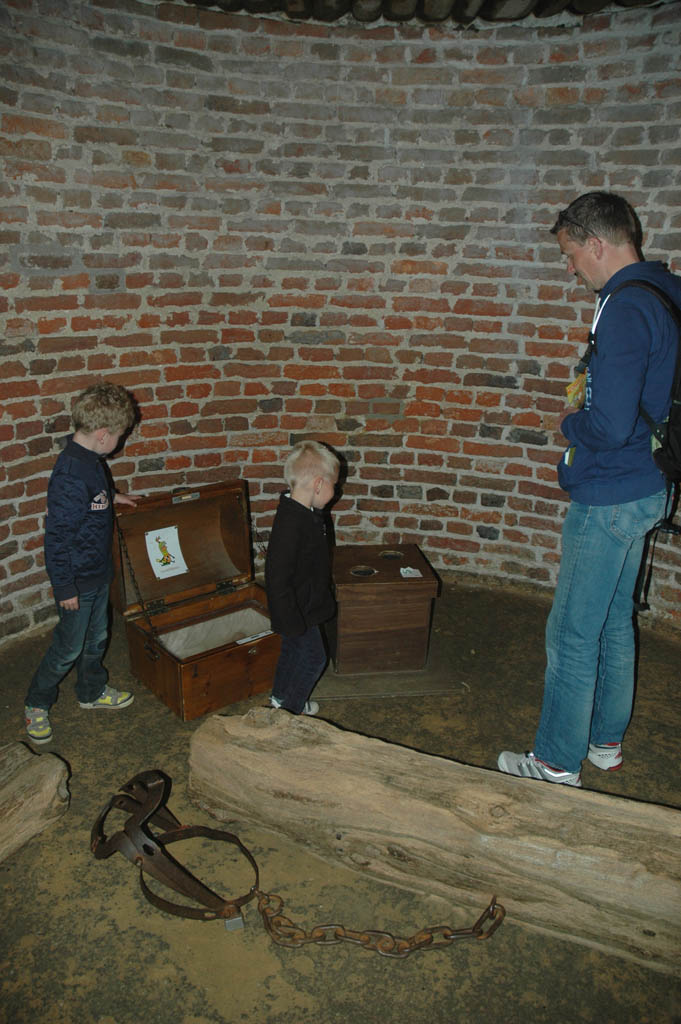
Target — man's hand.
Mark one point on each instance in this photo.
(70, 604)
(576, 391)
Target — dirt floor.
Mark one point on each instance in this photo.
(80, 943)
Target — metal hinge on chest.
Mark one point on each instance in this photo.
(225, 587)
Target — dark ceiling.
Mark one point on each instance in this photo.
(461, 12)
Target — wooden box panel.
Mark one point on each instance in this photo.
(383, 619)
(215, 598)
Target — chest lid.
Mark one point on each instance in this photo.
(174, 546)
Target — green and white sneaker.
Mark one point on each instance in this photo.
(109, 699)
(38, 725)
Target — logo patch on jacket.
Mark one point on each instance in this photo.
(100, 502)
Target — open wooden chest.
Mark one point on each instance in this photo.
(385, 599)
(197, 624)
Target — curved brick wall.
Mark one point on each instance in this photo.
(268, 230)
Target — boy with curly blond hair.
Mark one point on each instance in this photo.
(78, 538)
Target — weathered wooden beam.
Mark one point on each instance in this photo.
(33, 794)
(587, 867)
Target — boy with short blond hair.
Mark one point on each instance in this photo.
(78, 537)
(298, 575)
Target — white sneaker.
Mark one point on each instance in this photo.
(311, 706)
(606, 756)
(527, 766)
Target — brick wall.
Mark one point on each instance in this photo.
(268, 230)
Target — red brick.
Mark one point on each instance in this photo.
(25, 583)
(21, 124)
(149, 320)
(137, 448)
(22, 526)
(151, 428)
(185, 409)
(18, 389)
(190, 372)
(70, 364)
(75, 282)
(207, 460)
(100, 362)
(198, 390)
(178, 462)
(146, 357)
(299, 301)
(189, 442)
(50, 303)
(119, 300)
(140, 339)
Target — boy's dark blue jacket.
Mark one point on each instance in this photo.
(79, 523)
(609, 459)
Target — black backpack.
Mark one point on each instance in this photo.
(667, 454)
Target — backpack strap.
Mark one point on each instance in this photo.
(664, 525)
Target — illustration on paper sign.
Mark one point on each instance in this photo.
(166, 558)
(164, 552)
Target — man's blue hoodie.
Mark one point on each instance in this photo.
(609, 459)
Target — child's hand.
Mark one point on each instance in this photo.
(125, 499)
(70, 604)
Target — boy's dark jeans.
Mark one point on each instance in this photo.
(80, 639)
(301, 662)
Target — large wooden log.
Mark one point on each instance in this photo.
(33, 794)
(595, 869)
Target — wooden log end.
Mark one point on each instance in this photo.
(33, 794)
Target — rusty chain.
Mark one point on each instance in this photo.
(145, 798)
(152, 643)
(284, 932)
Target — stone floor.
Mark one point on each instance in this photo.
(80, 943)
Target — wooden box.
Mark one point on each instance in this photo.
(197, 624)
(385, 598)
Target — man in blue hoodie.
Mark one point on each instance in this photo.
(617, 495)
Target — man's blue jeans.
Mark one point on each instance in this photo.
(590, 650)
(80, 638)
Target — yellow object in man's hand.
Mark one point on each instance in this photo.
(576, 391)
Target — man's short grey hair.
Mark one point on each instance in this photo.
(600, 215)
(309, 459)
